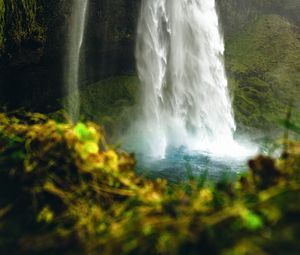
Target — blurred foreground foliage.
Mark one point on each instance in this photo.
(63, 190)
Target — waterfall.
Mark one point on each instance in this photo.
(185, 100)
(75, 39)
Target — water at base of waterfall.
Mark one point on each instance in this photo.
(185, 100)
(185, 119)
(180, 164)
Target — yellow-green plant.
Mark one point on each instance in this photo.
(63, 190)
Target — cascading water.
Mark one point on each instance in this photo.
(75, 39)
(185, 98)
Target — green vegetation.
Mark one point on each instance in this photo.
(65, 191)
(24, 25)
(263, 63)
(111, 102)
(236, 14)
(21, 26)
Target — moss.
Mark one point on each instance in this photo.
(65, 191)
(236, 14)
(263, 63)
(46, 137)
(24, 25)
(110, 102)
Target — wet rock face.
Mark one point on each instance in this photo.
(32, 55)
(109, 39)
(28, 75)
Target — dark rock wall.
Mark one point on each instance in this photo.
(31, 52)
(33, 42)
(109, 40)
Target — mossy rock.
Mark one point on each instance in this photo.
(111, 102)
(263, 63)
(22, 32)
(65, 191)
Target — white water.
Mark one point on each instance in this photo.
(75, 39)
(185, 100)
